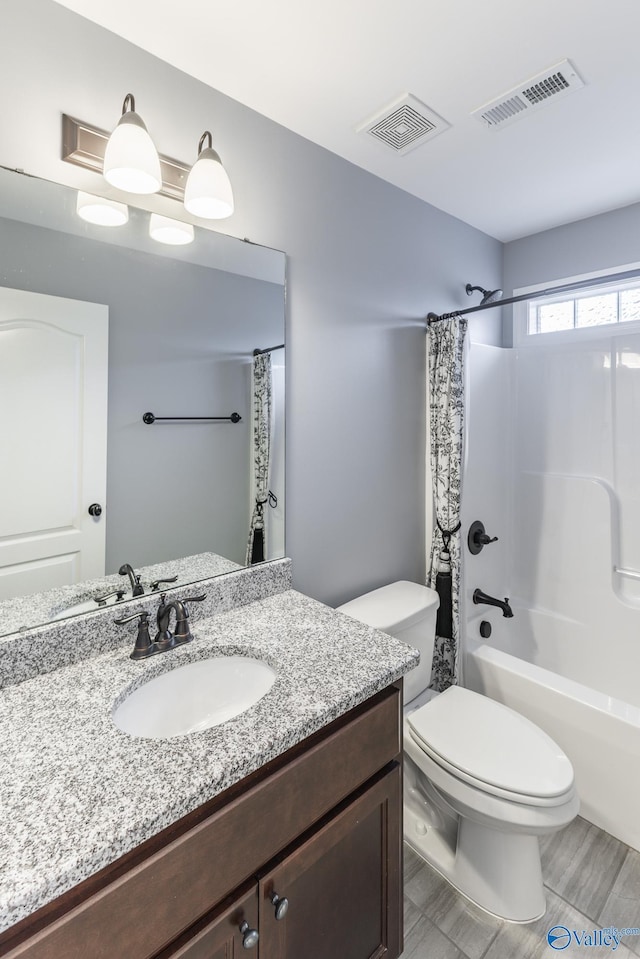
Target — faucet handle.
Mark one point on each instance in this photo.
(156, 583)
(484, 539)
(101, 600)
(183, 633)
(134, 615)
(143, 645)
(478, 538)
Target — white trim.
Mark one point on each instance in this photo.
(521, 337)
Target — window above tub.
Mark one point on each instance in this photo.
(611, 307)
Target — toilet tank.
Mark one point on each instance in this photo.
(407, 611)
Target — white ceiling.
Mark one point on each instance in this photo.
(322, 69)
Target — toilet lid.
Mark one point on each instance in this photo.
(487, 743)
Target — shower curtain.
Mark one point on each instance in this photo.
(446, 340)
(261, 390)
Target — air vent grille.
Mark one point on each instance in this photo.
(535, 92)
(507, 110)
(404, 124)
(402, 127)
(549, 87)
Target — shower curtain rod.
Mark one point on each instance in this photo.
(549, 291)
(269, 349)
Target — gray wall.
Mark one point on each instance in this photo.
(366, 262)
(601, 242)
(180, 343)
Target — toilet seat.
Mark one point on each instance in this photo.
(492, 748)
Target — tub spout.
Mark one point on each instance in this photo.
(480, 597)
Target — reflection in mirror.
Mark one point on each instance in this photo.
(98, 326)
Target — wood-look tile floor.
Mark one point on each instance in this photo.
(592, 881)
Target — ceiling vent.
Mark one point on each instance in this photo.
(404, 125)
(551, 85)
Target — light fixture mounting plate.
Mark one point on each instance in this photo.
(84, 145)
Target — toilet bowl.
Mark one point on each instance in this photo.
(481, 782)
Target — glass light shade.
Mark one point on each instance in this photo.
(97, 209)
(174, 232)
(131, 161)
(208, 192)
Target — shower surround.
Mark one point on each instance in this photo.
(553, 469)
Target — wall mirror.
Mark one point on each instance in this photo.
(183, 325)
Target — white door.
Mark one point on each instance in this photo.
(53, 436)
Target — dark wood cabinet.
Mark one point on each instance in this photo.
(319, 826)
(225, 934)
(342, 884)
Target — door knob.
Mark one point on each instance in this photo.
(95, 510)
(249, 936)
(281, 905)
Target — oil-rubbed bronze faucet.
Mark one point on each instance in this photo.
(136, 587)
(164, 638)
(480, 597)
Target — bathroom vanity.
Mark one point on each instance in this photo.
(278, 831)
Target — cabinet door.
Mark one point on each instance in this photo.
(343, 884)
(226, 934)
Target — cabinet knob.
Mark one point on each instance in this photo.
(281, 905)
(95, 510)
(249, 936)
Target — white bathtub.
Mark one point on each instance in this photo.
(522, 666)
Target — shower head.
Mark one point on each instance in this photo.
(488, 296)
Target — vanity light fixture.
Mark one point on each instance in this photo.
(100, 210)
(208, 192)
(174, 232)
(131, 161)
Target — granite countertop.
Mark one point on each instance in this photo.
(24, 612)
(77, 793)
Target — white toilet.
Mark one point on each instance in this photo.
(481, 782)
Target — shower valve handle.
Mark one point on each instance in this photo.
(478, 538)
(484, 539)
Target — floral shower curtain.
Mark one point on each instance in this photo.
(257, 544)
(446, 339)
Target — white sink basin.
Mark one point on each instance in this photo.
(87, 606)
(194, 697)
